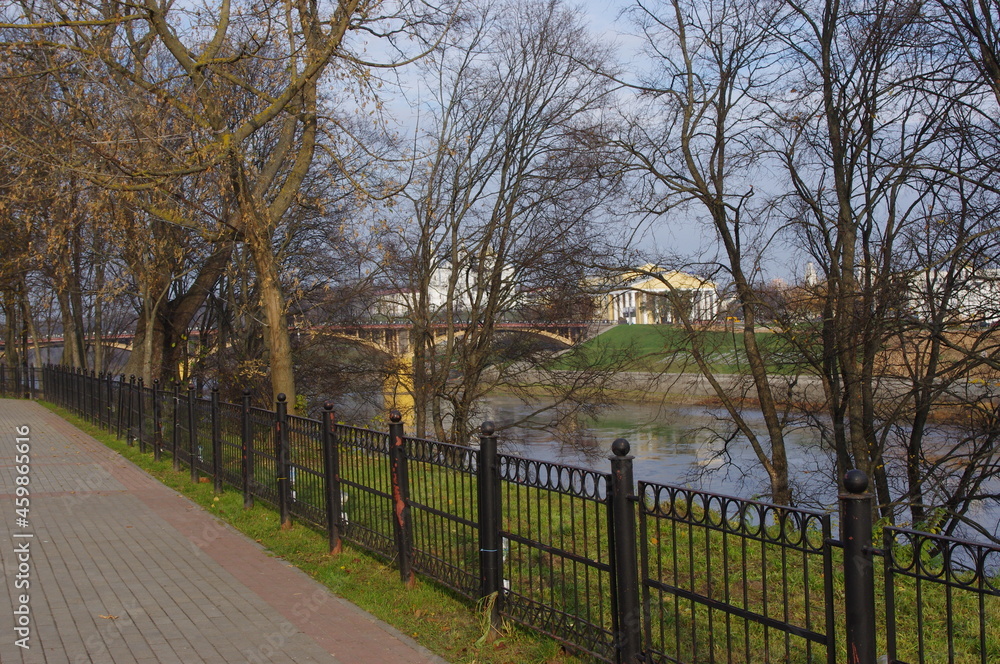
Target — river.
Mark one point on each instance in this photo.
(672, 444)
(682, 445)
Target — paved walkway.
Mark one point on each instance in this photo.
(123, 569)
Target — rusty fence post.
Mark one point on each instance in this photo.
(331, 475)
(157, 421)
(281, 461)
(402, 526)
(216, 443)
(246, 450)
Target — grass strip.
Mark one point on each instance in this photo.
(434, 617)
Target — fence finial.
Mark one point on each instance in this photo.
(856, 481)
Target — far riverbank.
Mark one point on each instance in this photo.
(691, 388)
(696, 389)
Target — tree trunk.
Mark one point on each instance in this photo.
(161, 330)
(71, 357)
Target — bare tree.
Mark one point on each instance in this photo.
(692, 146)
(505, 201)
(272, 57)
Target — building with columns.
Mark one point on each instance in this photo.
(651, 295)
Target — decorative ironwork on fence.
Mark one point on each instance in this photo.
(927, 577)
(734, 580)
(624, 571)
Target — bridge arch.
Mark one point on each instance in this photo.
(564, 340)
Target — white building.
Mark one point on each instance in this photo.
(398, 303)
(975, 296)
(651, 295)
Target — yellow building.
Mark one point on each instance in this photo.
(652, 295)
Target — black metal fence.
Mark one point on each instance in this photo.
(19, 382)
(623, 571)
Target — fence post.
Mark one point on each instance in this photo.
(157, 421)
(140, 389)
(128, 426)
(174, 434)
(99, 398)
(81, 393)
(400, 498)
(490, 555)
(27, 389)
(246, 445)
(216, 443)
(331, 471)
(281, 458)
(192, 436)
(628, 628)
(93, 390)
(109, 398)
(31, 381)
(859, 571)
(85, 395)
(96, 397)
(121, 406)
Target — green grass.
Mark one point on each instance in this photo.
(667, 348)
(434, 617)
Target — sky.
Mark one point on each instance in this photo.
(683, 235)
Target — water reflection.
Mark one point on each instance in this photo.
(691, 446)
(673, 444)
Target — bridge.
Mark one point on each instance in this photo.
(392, 338)
(396, 338)
(122, 341)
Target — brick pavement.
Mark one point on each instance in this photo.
(123, 569)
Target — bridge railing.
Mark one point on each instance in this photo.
(620, 570)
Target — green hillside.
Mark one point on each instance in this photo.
(668, 348)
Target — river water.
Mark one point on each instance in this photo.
(672, 444)
(683, 445)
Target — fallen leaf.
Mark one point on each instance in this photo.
(109, 617)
